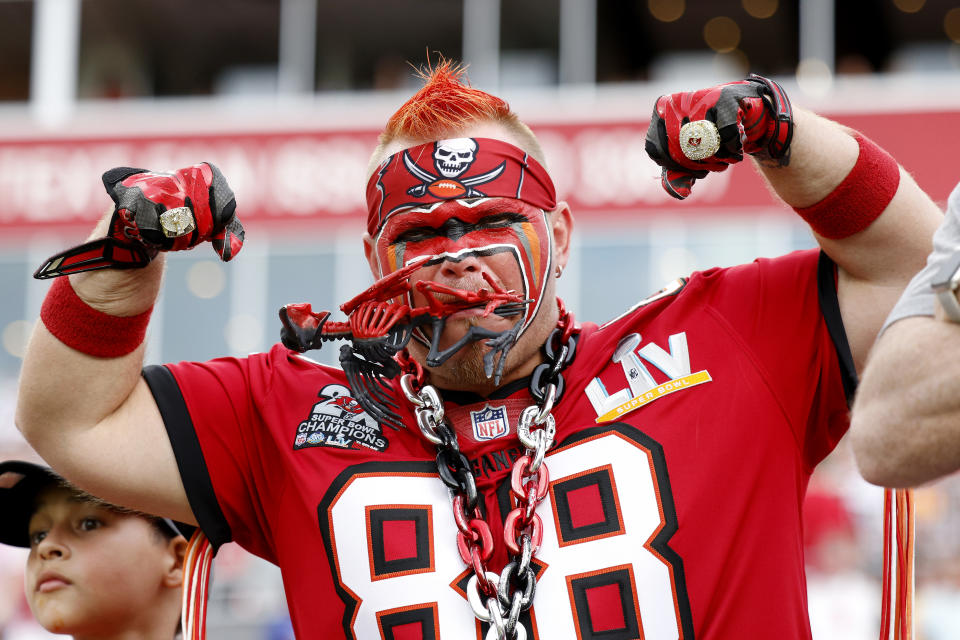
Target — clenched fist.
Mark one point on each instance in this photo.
(693, 133)
(157, 212)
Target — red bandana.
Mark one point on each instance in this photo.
(456, 168)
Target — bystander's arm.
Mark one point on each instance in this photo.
(905, 426)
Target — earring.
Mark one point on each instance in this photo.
(559, 270)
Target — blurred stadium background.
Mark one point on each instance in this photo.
(287, 97)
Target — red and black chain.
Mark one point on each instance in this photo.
(512, 591)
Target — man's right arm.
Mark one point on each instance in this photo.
(93, 419)
(82, 403)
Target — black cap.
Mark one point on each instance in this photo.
(20, 483)
(178, 528)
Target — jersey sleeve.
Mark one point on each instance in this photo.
(786, 313)
(918, 298)
(221, 444)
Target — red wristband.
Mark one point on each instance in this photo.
(78, 325)
(860, 198)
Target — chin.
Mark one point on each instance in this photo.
(464, 369)
(55, 619)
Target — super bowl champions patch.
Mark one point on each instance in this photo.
(338, 420)
(489, 423)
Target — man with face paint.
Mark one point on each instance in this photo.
(484, 466)
(505, 230)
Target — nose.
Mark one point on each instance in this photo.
(460, 267)
(52, 547)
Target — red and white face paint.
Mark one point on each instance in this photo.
(463, 200)
(457, 240)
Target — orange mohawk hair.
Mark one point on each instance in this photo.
(444, 107)
(445, 103)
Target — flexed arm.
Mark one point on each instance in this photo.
(866, 212)
(82, 403)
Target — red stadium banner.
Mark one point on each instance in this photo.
(319, 176)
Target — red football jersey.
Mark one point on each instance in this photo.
(686, 434)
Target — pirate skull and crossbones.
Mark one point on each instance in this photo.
(451, 158)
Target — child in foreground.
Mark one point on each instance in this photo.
(95, 571)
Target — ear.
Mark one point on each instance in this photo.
(561, 224)
(370, 250)
(176, 553)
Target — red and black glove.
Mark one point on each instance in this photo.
(157, 212)
(696, 132)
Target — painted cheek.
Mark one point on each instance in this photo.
(534, 241)
(388, 255)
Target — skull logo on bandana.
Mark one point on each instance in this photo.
(453, 157)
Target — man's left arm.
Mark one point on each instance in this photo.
(875, 263)
(866, 212)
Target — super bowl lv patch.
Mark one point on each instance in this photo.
(338, 420)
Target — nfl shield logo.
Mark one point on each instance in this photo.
(489, 422)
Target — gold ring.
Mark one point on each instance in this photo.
(699, 139)
(177, 222)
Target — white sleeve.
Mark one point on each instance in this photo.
(918, 298)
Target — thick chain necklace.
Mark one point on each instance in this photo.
(499, 599)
